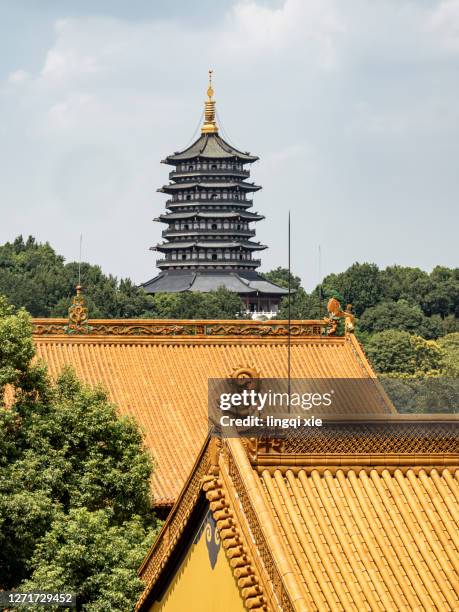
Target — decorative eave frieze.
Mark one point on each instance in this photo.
(396, 441)
(186, 329)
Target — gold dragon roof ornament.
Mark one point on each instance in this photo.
(335, 313)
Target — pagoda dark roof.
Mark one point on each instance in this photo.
(210, 146)
(243, 282)
(207, 185)
(214, 244)
(210, 215)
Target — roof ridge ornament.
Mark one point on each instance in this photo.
(335, 313)
(209, 126)
(78, 314)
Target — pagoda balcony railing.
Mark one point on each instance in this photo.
(214, 172)
(215, 263)
(192, 231)
(209, 202)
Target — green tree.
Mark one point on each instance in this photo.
(402, 316)
(86, 549)
(398, 352)
(33, 276)
(280, 276)
(360, 285)
(302, 306)
(67, 458)
(219, 304)
(404, 283)
(450, 358)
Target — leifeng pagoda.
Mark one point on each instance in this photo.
(209, 239)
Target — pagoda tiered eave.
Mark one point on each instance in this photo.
(208, 244)
(209, 146)
(243, 214)
(185, 186)
(215, 204)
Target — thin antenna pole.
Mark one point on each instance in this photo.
(289, 336)
(320, 282)
(79, 261)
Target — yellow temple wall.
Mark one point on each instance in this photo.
(196, 585)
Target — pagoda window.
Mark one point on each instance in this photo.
(214, 166)
(238, 226)
(213, 256)
(188, 197)
(213, 196)
(190, 168)
(214, 226)
(186, 226)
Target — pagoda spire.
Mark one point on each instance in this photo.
(210, 125)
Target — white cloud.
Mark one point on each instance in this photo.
(18, 76)
(329, 94)
(310, 27)
(444, 21)
(68, 64)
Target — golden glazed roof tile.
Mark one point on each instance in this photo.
(161, 379)
(370, 540)
(322, 537)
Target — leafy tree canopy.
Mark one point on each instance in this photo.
(219, 304)
(402, 316)
(33, 276)
(400, 298)
(75, 507)
(393, 351)
(360, 285)
(450, 347)
(280, 276)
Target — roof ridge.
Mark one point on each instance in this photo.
(195, 274)
(255, 496)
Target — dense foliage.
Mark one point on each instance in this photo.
(33, 276)
(422, 304)
(402, 298)
(219, 304)
(75, 507)
(407, 319)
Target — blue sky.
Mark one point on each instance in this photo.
(351, 106)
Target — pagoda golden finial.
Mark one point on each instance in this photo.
(210, 126)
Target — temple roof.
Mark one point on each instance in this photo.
(305, 526)
(209, 244)
(210, 146)
(209, 185)
(211, 215)
(157, 371)
(241, 282)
